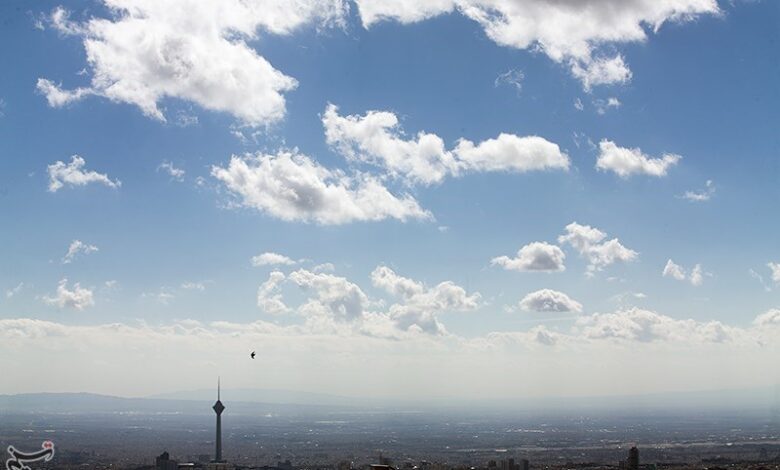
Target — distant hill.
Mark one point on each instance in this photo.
(85, 403)
(264, 396)
(263, 401)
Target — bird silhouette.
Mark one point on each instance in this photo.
(252, 355)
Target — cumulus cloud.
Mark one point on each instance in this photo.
(771, 318)
(420, 304)
(675, 271)
(376, 138)
(626, 162)
(78, 247)
(73, 174)
(775, 268)
(645, 326)
(508, 152)
(172, 171)
(602, 106)
(192, 50)
(548, 300)
(334, 301)
(572, 33)
(77, 298)
(601, 71)
(591, 244)
(703, 195)
(536, 256)
(333, 296)
(293, 187)
(269, 297)
(270, 259)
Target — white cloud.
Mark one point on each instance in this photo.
(324, 267)
(578, 105)
(675, 271)
(508, 152)
(377, 139)
(601, 71)
(60, 20)
(602, 106)
(78, 298)
(12, 292)
(193, 50)
(333, 296)
(697, 275)
(190, 285)
(76, 247)
(56, 96)
(548, 300)
(420, 304)
(61, 174)
(174, 172)
(641, 325)
(333, 302)
(536, 256)
(269, 298)
(575, 33)
(269, 259)
(775, 268)
(770, 318)
(703, 195)
(626, 162)
(293, 187)
(513, 78)
(589, 242)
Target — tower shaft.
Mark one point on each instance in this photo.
(218, 409)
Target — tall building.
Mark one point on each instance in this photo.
(218, 409)
(164, 462)
(524, 464)
(633, 458)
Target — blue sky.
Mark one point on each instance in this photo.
(174, 254)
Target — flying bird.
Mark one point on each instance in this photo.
(252, 355)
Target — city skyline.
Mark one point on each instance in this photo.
(386, 198)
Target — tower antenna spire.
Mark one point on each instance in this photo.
(218, 387)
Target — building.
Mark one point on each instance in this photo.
(524, 464)
(164, 462)
(633, 458)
